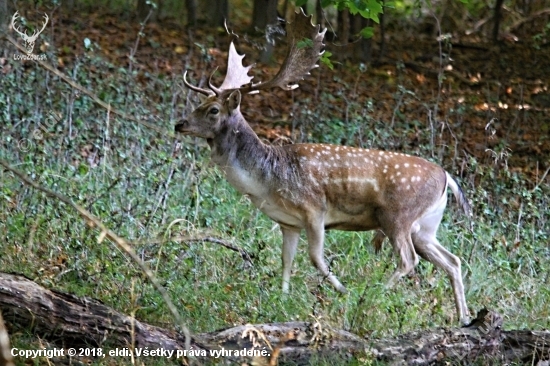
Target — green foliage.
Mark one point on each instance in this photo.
(542, 37)
(367, 32)
(149, 187)
(368, 9)
(305, 43)
(325, 59)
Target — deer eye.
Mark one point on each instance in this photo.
(214, 111)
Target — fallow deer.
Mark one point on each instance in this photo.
(319, 187)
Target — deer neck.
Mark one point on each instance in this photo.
(235, 143)
(248, 164)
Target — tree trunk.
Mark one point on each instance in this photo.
(191, 6)
(497, 15)
(4, 16)
(382, 35)
(77, 322)
(264, 13)
(217, 11)
(363, 47)
(319, 14)
(343, 35)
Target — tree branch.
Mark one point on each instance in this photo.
(78, 322)
(93, 221)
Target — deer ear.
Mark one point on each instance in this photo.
(234, 100)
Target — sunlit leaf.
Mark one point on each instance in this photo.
(325, 59)
(305, 42)
(367, 32)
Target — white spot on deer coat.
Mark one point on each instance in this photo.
(370, 181)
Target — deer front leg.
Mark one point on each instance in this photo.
(315, 238)
(291, 236)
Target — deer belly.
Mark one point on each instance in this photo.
(361, 219)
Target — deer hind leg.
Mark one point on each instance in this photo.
(429, 248)
(378, 240)
(403, 246)
(315, 238)
(291, 236)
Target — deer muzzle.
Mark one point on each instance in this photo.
(182, 126)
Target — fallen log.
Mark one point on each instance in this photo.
(73, 322)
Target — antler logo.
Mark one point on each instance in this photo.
(29, 40)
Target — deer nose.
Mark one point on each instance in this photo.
(180, 127)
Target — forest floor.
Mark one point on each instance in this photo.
(495, 95)
(484, 117)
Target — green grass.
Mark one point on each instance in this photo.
(145, 186)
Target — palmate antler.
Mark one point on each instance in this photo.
(305, 44)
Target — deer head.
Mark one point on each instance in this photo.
(29, 40)
(305, 44)
(206, 121)
(318, 187)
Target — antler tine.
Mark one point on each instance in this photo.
(305, 44)
(235, 77)
(206, 92)
(237, 74)
(13, 19)
(36, 33)
(46, 18)
(217, 91)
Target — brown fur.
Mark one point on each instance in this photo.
(317, 187)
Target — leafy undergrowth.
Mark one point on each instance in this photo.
(149, 186)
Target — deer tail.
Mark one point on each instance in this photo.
(459, 195)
